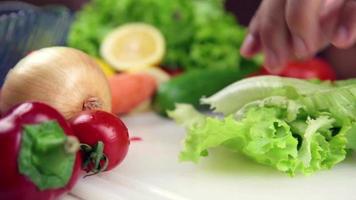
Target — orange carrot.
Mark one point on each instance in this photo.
(130, 90)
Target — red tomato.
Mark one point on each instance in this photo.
(309, 69)
(95, 128)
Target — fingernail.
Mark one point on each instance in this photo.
(300, 48)
(247, 45)
(341, 36)
(271, 61)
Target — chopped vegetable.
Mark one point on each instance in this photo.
(189, 27)
(104, 138)
(40, 153)
(292, 125)
(129, 90)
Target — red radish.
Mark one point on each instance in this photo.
(40, 159)
(105, 137)
(129, 90)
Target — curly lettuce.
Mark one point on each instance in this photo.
(291, 125)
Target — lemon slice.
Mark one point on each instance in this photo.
(108, 70)
(133, 45)
(157, 73)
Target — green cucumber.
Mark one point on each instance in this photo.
(191, 86)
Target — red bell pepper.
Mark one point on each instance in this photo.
(40, 155)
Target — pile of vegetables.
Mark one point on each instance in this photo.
(202, 42)
(192, 35)
(196, 38)
(56, 119)
(198, 33)
(293, 125)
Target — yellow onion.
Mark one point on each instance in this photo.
(65, 78)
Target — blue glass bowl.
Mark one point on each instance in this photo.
(24, 28)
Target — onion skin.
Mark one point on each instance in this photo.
(65, 78)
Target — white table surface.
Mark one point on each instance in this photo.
(151, 171)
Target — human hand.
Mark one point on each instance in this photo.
(289, 29)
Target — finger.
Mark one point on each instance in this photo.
(329, 7)
(252, 44)
(302, 17)
(345, 35)
(274, 34)
(330, 16)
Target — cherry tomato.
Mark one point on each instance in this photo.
(315, 68)
(104, 138)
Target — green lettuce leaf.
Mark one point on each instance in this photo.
(292, 125)
(339, 101)
(235, 96)
(264, 136)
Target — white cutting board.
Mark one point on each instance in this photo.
(151, 171)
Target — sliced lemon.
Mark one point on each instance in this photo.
(157, 73)
(133, 45)
(107, 69)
